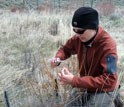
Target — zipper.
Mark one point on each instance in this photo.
(86, 60)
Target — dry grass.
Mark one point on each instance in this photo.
(27, 42)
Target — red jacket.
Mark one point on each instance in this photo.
(97, 63)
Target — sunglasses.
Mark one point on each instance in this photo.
(79, 31)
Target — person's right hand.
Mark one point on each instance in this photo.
(55, 62)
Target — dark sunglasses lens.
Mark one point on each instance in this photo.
(79, 31)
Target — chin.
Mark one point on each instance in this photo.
(82, 40)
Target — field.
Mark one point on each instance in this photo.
(28, 40)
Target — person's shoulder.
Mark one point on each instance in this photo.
(106, 37)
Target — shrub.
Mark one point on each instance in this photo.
(115, 17)
(53, 29)
(105, 8)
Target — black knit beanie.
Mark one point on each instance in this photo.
(86, 18)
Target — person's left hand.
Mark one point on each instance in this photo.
(65, 76)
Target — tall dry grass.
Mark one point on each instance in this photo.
(28, 41)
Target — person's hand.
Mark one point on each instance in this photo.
(65, 76)
(55, 62)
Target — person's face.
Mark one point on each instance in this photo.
(84, 34)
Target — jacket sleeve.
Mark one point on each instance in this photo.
(67, 50)
(107, 79)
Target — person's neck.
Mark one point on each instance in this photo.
(92, 38)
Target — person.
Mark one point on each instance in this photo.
(97, 56)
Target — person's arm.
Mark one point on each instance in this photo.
(104, 81)
(67, 50)
(64, 52)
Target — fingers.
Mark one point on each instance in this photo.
(66, 71)
(63, 75)
(55, 62)
(63, 72)
(60, 78)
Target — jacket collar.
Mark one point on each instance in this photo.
(96, 39)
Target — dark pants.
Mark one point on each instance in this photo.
(92, 100)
